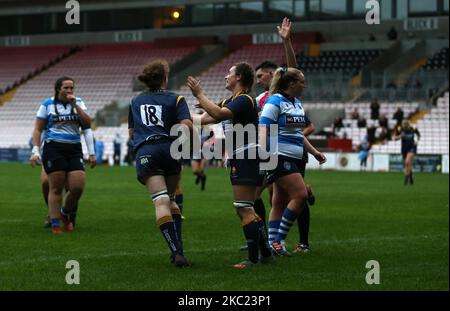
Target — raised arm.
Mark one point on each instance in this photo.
(285, 33)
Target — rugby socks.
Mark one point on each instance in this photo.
(203, 182)
(73, 214)
(405, 182)
(273, 230)
(197, 179)
(303, 225)
(55, 222)
(286, 223)
(179, 201)
(177, 221)
(411, 178)
(251, 232)
(167, 227)
(263, 244)
(260, 209)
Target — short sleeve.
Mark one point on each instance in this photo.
(42, 113)
(82, 104)
(240, 105)
(130, 119)
(182, 109)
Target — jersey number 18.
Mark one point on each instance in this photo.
(151, 115)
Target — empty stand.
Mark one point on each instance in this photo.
(213, 80)
(17, 63)
(102, 73)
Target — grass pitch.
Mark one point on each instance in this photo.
(357, 217)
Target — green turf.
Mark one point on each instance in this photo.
(357, 217)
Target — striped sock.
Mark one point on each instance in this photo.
(273, 230)
(286, 223)
(55, 222)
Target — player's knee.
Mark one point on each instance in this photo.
(161, 200)
(300, 196)
(56, 189)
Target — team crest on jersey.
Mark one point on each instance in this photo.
(144, 161)
(287, 165)
(49, 164)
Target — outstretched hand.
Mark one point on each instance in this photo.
(285, 29)
(195, 86)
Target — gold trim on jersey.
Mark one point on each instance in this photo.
(178, 100)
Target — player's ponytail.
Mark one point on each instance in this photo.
(154, 74)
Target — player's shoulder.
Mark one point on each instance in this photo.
(225, 101)
(247, 98)
(274, 99)
(262, 95)
(80, 101)
(48, 101)
(170, 94)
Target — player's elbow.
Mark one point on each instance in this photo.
(187, 123)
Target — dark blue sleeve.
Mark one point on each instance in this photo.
(182, 110)
(240, 105)
(130, 119)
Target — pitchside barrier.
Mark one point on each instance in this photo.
(340, 161)
(381, 162)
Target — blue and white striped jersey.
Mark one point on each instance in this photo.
(63, 123)
(291, 120)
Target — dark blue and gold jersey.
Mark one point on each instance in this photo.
(245, 111)
(152, 115)
(408, 136)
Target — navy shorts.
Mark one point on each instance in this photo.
(405, 151)
(286, 166)
(154, 159)
(302, 167)
(62, 157)
(244, 172)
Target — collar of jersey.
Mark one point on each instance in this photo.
(238, 94)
